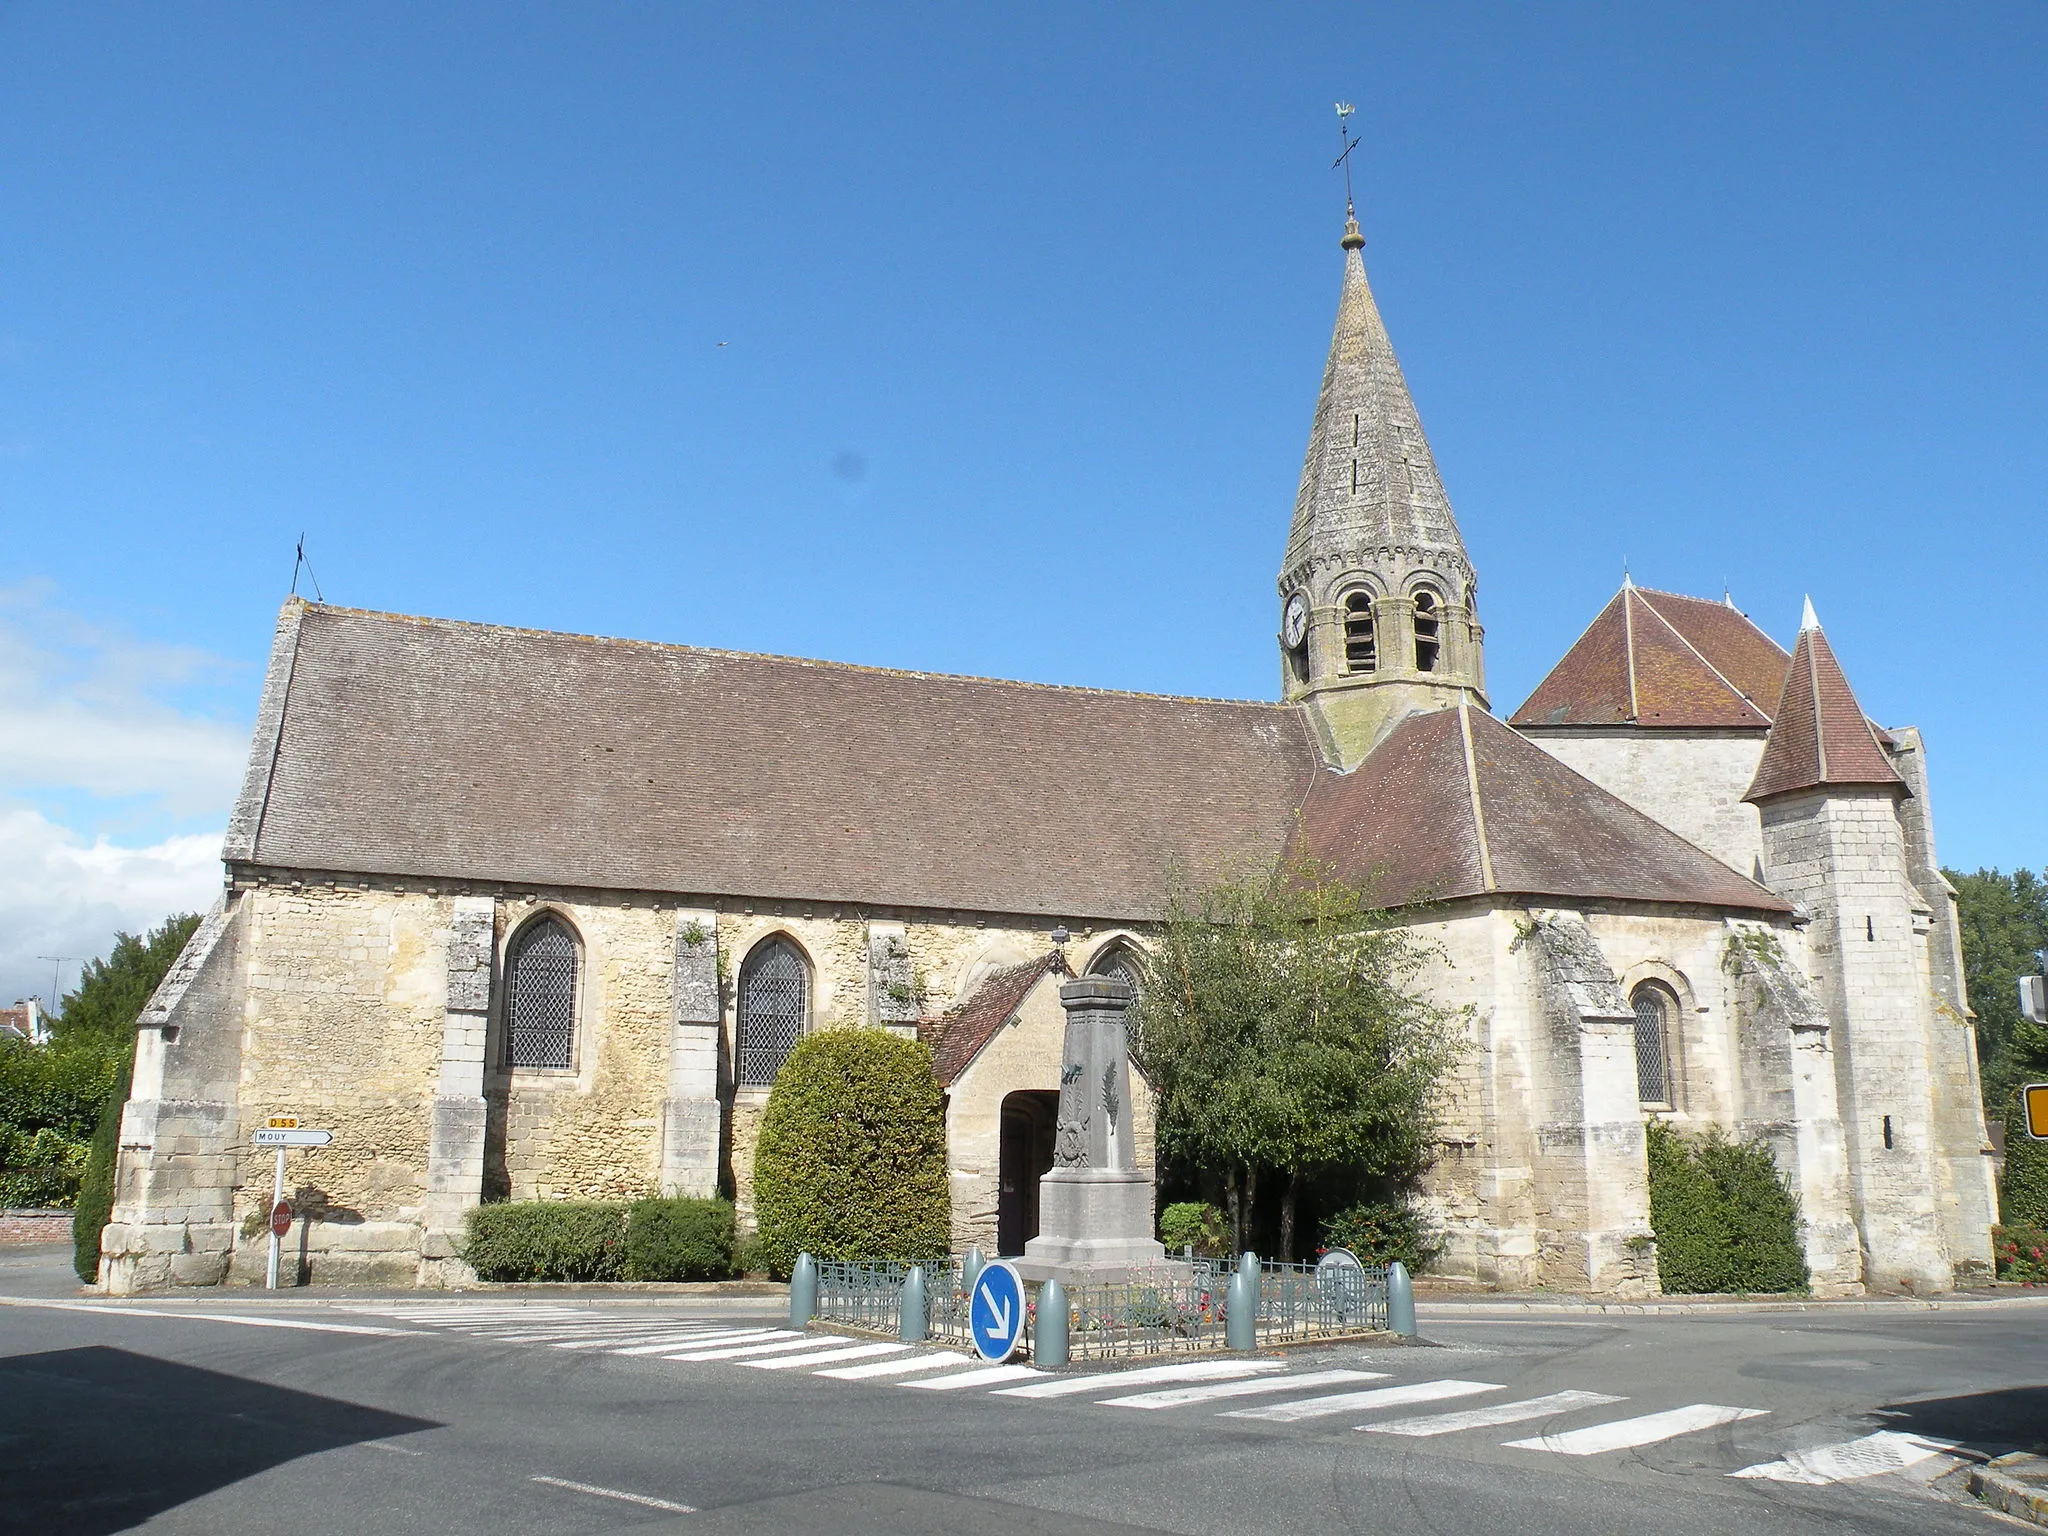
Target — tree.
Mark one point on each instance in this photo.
(2004, 921)
(1280, 1024)
(111, 992)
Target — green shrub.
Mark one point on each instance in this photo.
(2020, 1252)
(96, 1185)
(2023, 1192)
(679, 1240)
(547, 1240)
(1192, 1224)
(51, 1097)
(1381, 1231)
(851, 1160)
(1724, 1217)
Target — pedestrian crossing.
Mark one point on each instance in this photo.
(1261, 1391)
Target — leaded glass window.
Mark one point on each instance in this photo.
(1115, 965)
(540, 992)
(1653, 1035)
(775, 1004)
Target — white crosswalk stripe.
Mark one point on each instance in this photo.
(985, 1377)
(656, 1336)
(931, 1362)
(1365, 1402)
(1188, 1370)
(1873, 1455)
(1627, 1434)
(1181, 1397)
(705, 1340)
(845, 1351)
(778, 1346)
(1494, 1416)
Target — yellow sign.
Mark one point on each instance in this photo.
(291, 1123)
(2035, 1096)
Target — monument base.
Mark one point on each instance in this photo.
(1095, 1227)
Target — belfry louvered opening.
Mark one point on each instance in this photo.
(775, 1006)
(540, 993)
(1361, 644)
(1428, 637)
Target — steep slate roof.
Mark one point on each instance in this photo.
(1454, 803)
(1822, 735)
(433, 749)
(1662, 660)
(957, 1036)
(429, 748)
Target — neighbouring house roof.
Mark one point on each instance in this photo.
(1454, 803)
(957, 1036)
(427, 748)
(1821, 735)
(1662, 660)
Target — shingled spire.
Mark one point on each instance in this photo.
(1376, 589)
(1820, 736)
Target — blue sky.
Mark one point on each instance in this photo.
(1024, 310)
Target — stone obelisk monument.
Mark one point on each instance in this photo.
(1094, 1205)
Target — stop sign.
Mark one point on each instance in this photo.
(281, 1218)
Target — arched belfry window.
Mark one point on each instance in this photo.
(540, 997)
(1656, 1011)
(1361, 644)
(775, 1005)
(1428, 630)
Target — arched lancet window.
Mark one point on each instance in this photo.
(775, 1006)
(1361, 644)
(1114, 964)
(1428, 625)
(540, 997)
(1655, 1009)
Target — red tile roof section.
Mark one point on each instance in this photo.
(957, 1037)
(1424, 819)
(1822, 736)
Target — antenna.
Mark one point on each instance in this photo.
(298, 560)
(1344, 111)
(57, 963)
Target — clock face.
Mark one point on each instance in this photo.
(1294, 624)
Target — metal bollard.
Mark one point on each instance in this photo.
(1400, 1300)
(1248, 1266)
(971, 1267)
(910, 1321)
(803, 1291)
(1241, 1313)
(1049, 1340)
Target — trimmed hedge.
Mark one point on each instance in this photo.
(851, 1160)
(547, 1240)
(1193, 1224)
(1379, 1232)
(1725, 1220)
(679, 1240)
(51, 1098)
(96, 1185)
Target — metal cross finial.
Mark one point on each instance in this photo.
(1344, 111)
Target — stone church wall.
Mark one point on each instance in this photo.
(1691, 781)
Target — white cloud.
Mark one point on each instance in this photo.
(60, 895)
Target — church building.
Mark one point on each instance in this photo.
(531, 915)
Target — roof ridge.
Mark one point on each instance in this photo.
(428, 620)
(1628, 646)
(1478, 800)
(1679, 636)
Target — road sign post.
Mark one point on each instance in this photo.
(281, 1132)
(995, 1311)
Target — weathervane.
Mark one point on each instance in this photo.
(1344, 111)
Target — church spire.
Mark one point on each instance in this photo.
(1376, 588)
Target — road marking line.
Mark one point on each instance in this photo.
(396, 1450)
(743, 1351)
(827, 1356)
(981, 1378)
(739, 1336)
(1181, 1396)
(1625, 1434)
(1888, 1450)
(1492, 1418)
(1193, 1370)
(1360, 1402)
(897, 1367)
(106, 1309)
(618, 1493)
(667, 1335)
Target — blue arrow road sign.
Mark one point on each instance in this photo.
(995, 1312)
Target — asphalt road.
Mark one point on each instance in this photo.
(235, 1413)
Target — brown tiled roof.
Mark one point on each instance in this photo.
(1661, 660)
(1454, 803)
(428, 748)
(957, 1037)
(1822, 735)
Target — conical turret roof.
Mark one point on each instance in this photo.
(1819, 734)
(1369, 479)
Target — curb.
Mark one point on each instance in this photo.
(1450, 1311)
(2016, 1485)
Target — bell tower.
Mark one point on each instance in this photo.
(1377, 613)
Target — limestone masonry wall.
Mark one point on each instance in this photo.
(1691, 781)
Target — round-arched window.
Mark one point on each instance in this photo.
(1361, 642)
(540, 997)
(775, 1006)
(1428, 630)
(1656, 1009)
